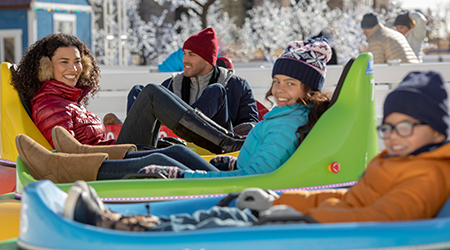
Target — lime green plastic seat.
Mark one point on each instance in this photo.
(335, 152)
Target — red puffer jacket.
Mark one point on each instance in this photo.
(58, 104)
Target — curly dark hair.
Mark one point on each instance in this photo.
(318, 100)
(25, 77)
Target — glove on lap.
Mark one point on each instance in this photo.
(224, 162)
(243, 128)
(168, 171)
(256, 199)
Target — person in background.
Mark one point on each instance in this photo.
(384, 43)
(173, 63)
(412, 25)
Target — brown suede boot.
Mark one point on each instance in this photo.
(65, 143)
(58, 167)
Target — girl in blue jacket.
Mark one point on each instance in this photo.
(298, 77)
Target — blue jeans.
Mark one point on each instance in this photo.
(212, 103)
(133, 94)
(176, 155)
(202, 219)
(155, 105)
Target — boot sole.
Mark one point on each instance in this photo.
(72, 198)
(92, 193)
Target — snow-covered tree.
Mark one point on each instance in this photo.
(270, 27)
(197, 7)
(225, 27)
(147, 39)
(103, 55)
(344, 31)
(439, 20)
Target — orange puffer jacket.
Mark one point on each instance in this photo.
(58, 104)
(392, 188)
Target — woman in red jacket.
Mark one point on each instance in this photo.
(56, 76)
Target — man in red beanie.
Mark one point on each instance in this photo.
(214, 91)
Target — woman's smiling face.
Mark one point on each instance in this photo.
(67, 65)
(287, 90)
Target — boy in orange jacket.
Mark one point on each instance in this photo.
(408, 180)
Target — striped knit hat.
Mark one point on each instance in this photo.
(305, 61)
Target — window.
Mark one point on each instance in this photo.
(64, 23)
(10, 45)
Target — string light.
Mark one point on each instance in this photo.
(63, 11)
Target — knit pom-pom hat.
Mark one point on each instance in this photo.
(204, 44)
(305, 61)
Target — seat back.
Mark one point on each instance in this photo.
(14, 118)
(341, 81)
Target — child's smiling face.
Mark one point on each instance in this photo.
(287, 90)
(403, 146)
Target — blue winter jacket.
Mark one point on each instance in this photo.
(268, 145)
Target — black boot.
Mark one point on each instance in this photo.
(195, 127)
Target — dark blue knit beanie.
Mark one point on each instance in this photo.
(369, 20)
(403, 19)
(421, 95)
(305, 61)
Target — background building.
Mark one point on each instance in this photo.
(22, 22)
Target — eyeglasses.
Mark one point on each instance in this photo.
(403, 129)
